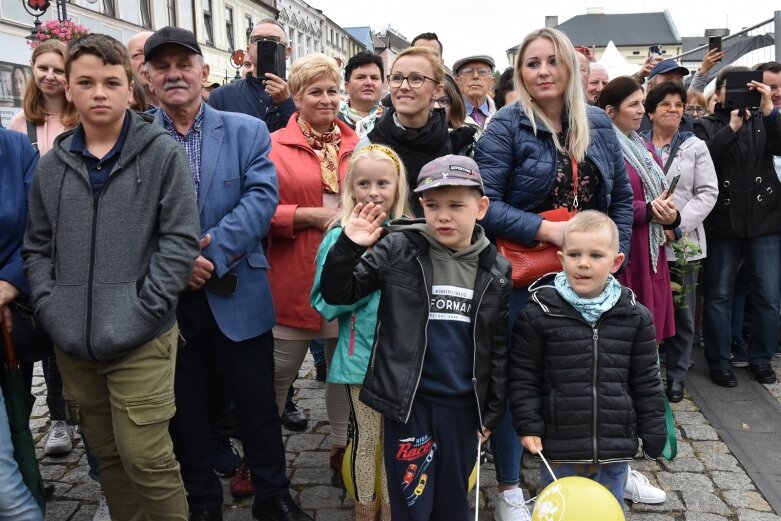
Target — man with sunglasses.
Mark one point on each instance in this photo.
(475, 77)
(265, 98)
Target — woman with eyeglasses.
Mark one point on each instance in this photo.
(413, 128)
(696, 105)
(526, 160)
(685, 156)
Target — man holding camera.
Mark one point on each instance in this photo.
(746, 220)
(265, 98)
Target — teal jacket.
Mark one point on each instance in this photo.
(357, 323)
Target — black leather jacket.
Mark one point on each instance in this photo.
(400, 267)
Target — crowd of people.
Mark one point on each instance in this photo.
(170, 250)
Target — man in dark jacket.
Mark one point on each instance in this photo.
(746, 218)
(268, 98)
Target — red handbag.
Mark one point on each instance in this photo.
(529, 263)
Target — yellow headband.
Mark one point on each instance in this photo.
(385, 150)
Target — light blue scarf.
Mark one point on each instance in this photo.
(590, 308)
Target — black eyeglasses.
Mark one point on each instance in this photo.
(414, 80)
(258, 38)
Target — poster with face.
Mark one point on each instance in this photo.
(13, 81)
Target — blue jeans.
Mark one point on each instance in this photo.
(505, 445)
(761, 259)
(16, 502)
(612, 475)
(740, 297)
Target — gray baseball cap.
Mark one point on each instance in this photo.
(449, 170)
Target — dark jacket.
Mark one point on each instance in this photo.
(588, 392)
(400, 267)
(249, 96)
(749, 202)
(17, 166)
(519, 168)
(106, 270)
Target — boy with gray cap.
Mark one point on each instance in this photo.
(437, 370)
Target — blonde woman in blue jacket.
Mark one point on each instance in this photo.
(377, 175)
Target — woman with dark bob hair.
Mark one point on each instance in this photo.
(526, 160)
(685, 156)
(646, 272)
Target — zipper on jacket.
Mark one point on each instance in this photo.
(352, 333)
(474, 351)
(374, 346)
(90, 280)
(595, 343)
(92, 251)
(425, 339)
(595, 339)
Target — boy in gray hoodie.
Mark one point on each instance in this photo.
(112, 233)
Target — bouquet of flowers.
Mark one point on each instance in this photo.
(65, 31)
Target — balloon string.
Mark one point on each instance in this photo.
(539, 452)
(477, 479)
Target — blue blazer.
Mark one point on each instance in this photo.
(17, 165)
(237, 198)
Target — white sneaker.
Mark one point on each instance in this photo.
(60, 438)
(102, 513)
(639, 490)
(511, 506)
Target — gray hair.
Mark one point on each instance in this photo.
(273, 21)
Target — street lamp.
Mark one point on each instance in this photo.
(38, 8)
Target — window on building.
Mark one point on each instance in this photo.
(229, 28)
(170, 6)
(308, 44)
(636, 53)
(248, 23)
(207, 21)
(146, 13)
(109, 9)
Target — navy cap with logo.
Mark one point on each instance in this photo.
(449, 170)
(668, 66)
(171, 36)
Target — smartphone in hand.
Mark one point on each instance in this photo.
(673, 184)
(271, 59)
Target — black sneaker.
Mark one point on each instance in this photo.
(739, 355)
(279, 508)
(226, 458)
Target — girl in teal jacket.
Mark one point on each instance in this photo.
(377, 175)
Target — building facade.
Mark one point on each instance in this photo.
(118, 18)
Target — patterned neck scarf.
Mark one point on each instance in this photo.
(651, 175)
(589, 308)
(326, 146)
(363, 124)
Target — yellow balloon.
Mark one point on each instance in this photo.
(576, 499)
(347, 475)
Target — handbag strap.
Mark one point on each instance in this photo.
(670, 157)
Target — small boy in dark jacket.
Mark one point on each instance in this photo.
(583, 376)
(437, 369)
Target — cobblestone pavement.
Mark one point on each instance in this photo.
(704, 483)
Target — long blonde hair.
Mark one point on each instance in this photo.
(574, 99)
(378, 153)
(33, 97)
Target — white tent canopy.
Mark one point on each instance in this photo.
(615, 64)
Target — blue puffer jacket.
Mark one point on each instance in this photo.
(518, 169)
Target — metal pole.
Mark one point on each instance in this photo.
(777, 33)
(61, 9)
